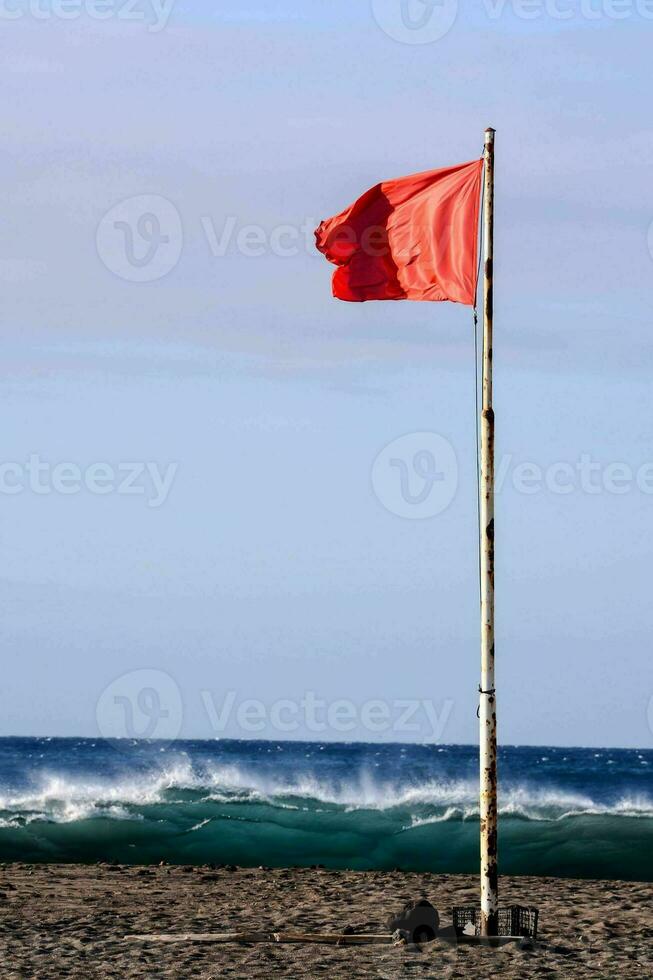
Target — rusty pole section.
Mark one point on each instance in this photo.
(487, 708)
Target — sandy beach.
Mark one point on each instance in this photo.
(71, 920)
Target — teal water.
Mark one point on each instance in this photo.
(564, 811)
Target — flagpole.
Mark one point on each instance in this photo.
(487, 707)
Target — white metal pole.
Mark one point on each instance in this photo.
(487, 707)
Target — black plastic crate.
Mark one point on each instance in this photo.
(514, 920)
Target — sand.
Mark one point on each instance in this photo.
(70, 921)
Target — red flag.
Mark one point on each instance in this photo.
(411, 238)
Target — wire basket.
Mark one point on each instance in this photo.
(514, 920)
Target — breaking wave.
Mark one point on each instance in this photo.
(60, 800)
(341, 806)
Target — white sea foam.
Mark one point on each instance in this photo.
(64, 800)
(202, 823)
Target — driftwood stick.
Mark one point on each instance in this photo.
(202, 937)
(337, 939)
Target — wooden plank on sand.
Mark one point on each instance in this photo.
(337, 939)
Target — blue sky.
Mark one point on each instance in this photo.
(272, 567)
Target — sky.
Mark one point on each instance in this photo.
(202, 518)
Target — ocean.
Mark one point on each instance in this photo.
(564, 811)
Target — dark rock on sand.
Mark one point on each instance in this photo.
(419, 919)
